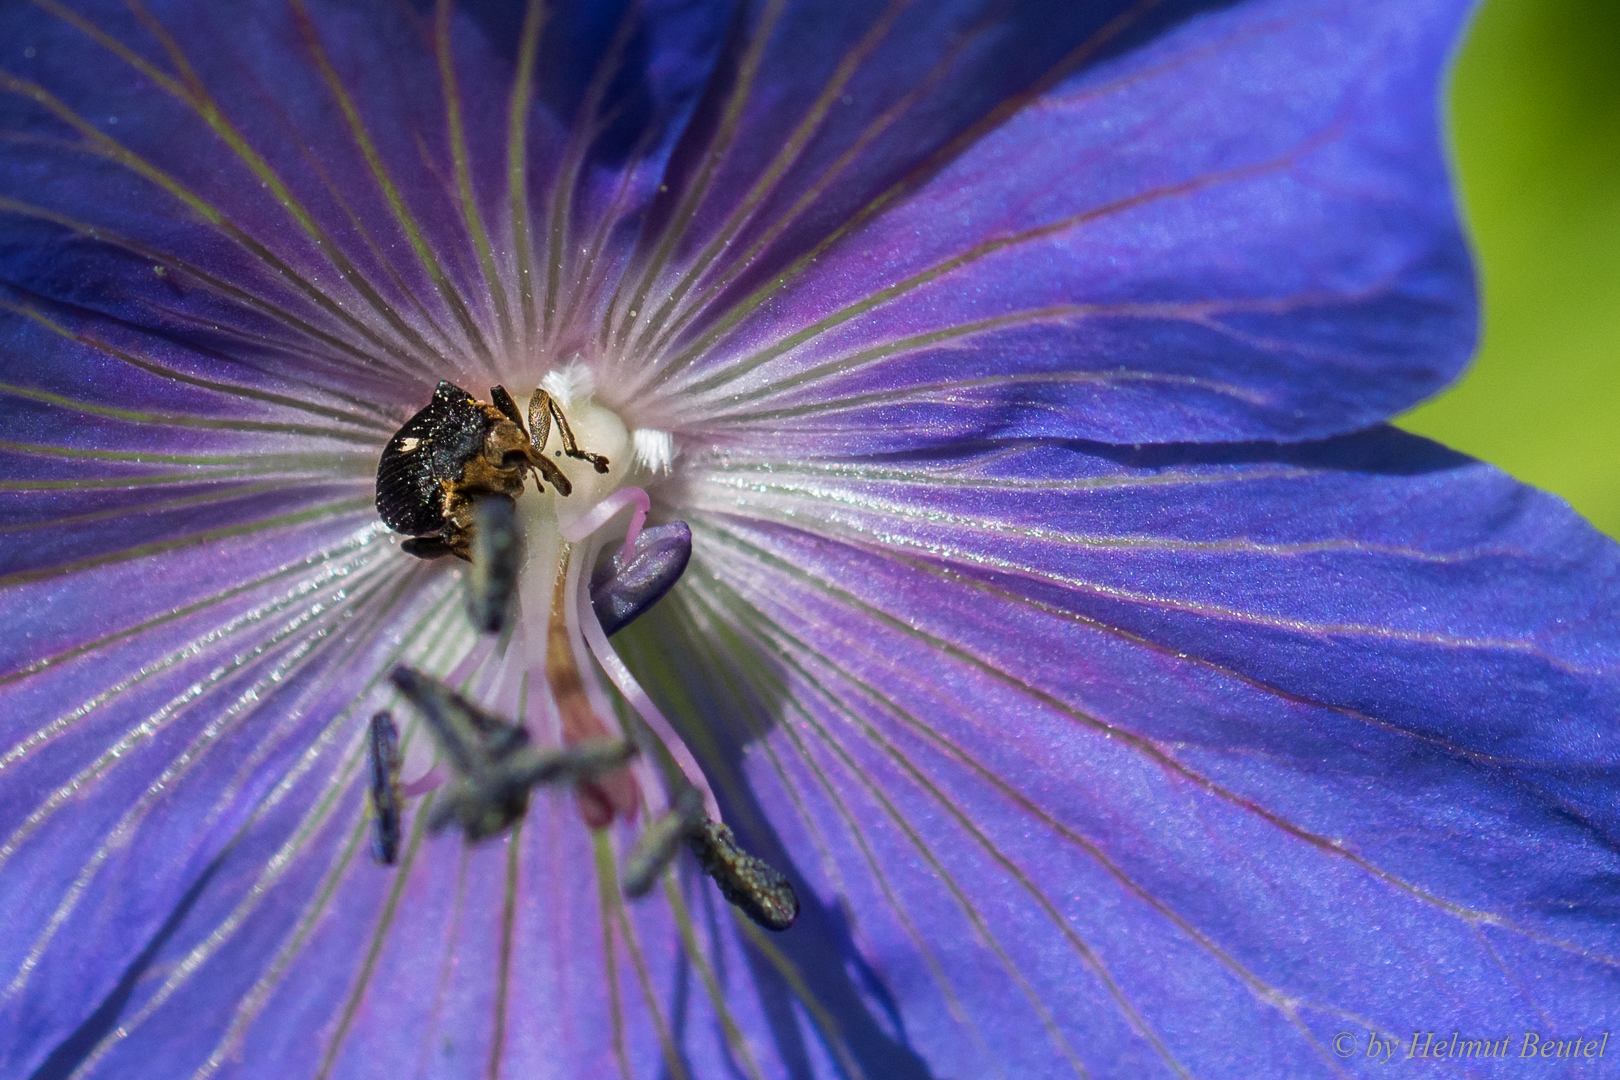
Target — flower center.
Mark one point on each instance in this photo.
(456, 478)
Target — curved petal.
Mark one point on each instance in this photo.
(460, 961)
(238, 247)
(196, 590)
(905, 223)
(369, 199)
(226, 920)
(1181, 759)
(133, 758)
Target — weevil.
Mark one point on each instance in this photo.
(457, 450)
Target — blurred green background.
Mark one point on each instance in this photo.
(1535, 107)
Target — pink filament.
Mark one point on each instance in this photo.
(434, 777)
(471, 662)
(638, 699)
(599, 515)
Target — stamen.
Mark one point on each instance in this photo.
(471, 739)
(681, 762)
(762, 892)
(600, 514)
(497, 768)
(431, 780)
(513, 777)
(660, 841)
(475, 658)
(473, 742)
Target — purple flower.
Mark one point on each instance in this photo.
(1115, 697)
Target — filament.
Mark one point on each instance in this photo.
(599, 515)
(675, 753)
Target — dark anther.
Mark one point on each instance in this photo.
(658, 843)
(473, 742)
(762, 892)
(495, 767)
(470, 737)
(497, 556)
(621, 591)
(382, 755)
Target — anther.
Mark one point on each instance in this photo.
(527, 768)
(762, 892)
(473, 742)
(383, 758)
(660, 842)
(477, 802)
(496, 767)
(497, 557)
(470, 738)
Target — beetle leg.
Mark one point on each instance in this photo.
(540, 409)
(543, 409)
(570, 447)
(503, 401)
(457, 535)
(540, 406)
(426, 547)
(546, 468)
